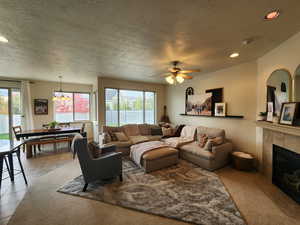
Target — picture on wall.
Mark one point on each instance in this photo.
(220, 109)
(199, 104)
(288, 112)
(41, 106)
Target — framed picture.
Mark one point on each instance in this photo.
(288, 113)
(199, 105)
(41, 106)
(220, 109)
(217, 97)
(270, 111)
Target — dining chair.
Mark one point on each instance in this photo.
(17, 130)
(82, 128)
(9, 153)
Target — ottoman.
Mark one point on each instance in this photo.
(159, 158)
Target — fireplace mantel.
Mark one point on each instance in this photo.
(291, 130)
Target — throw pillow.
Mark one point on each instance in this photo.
(202, 138)
(113, 136)
(94, 150)
(213, 142)
(121, 136)
(217, 141)
(167, 131)
(156, 131)
(178, 130)
(208, 146)
(107, 138)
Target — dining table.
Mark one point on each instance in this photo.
(37, 136)
(45, 132)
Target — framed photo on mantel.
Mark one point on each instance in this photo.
(288, 113)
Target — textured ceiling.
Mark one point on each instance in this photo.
(135, 39)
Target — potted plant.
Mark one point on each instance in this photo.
(262, 116)
(52, 125)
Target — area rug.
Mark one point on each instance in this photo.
(184, 192)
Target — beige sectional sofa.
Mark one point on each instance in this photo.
(211, 158)
(136, 133)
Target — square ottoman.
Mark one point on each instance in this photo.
(159, 158)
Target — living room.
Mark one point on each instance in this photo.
(139, 112)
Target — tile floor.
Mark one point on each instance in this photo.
(13, 193)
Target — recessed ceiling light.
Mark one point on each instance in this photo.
(3, 39)
(272, 15)
(234, 55)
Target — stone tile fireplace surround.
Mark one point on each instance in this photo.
(284, 136)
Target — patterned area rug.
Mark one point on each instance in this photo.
(183, 192)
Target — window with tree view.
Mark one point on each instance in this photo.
(77, 108)
(128, 106)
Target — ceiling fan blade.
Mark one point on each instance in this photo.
(172, 70)
(161, 75)
(190, 71)
(185, 76)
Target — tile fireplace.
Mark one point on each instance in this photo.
(286, 171)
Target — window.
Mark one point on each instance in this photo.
(111, 105)
(131, 107)
(75, 109)
(128, 106)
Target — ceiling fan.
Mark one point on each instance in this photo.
(178, 75)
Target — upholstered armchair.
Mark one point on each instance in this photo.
(107, 166)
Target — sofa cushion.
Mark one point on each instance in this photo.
(156, 131)
(121, 144)
(111, 131)
(159, 153)
(154, 137)
(138, 139)
(121, 136)
(194, 148)
(211, 132)
(145, 129)
(131, 130)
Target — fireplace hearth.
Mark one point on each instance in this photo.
(286, 171)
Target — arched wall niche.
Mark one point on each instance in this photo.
(280, 88)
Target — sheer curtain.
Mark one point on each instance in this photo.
(27, 119)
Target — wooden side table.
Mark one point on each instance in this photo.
(243, 161)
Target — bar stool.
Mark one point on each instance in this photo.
(9, 153)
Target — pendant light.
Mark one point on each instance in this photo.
(59, 96)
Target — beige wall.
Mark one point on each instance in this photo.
(285, 56)
(131, 85)
(44, 90)
(239, 83)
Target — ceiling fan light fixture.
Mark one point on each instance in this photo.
(179, 79)
(234, 55)
(170, 79)
(272, 15)
(3, 39)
